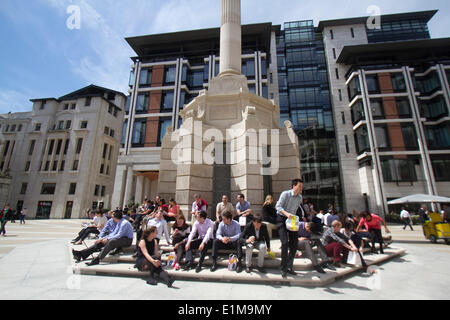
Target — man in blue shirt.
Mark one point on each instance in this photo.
(227, 237)
(287, 207)
(243, 209)
(121, 236)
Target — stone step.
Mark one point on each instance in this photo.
(300, 264)
(273, 276)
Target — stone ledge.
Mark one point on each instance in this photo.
(273, 276)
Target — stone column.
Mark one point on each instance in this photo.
(139, 189)
(129, 186)
(230, 38)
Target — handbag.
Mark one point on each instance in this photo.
(292, 224)
(354, 258)
(242, 221)
(232, 262)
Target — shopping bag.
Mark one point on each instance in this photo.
(232, 262)
(171, 260)
(354, 258)
(242, 221)
(272, 255)
(293, 223)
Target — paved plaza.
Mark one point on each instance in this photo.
(35, 264)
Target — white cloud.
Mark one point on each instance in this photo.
(14, 101)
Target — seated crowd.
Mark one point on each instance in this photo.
(235, 228)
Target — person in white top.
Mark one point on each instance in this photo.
(161, 225)
(320, 216)
(406, 218)
(93, 227)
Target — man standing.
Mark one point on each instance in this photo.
(287, 206)
(204, 228)
(243, 209)
(227, 238)
(122, 236)
(423, 216)
(406, 218)
(255, 236)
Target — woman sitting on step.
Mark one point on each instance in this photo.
(180, 233)
(148, 258)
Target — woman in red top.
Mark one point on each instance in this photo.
(372, 222)
(174, 211)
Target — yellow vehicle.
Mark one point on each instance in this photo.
(435, 228)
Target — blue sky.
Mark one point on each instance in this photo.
(41, 57)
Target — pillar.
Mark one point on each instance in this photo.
(230, 38)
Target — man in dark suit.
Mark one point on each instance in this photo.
(423, 216)
(255, 236)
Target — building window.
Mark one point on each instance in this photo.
(398, 82)
(372, 84)
(60, 125)
(58, 147)
(20, 128)
(167, 101)
(102, 168)
(68, 124)
(111, 133)
(87, 102)
(13, 128)
(27, 166)
(79, 145)
(110, 152)
(139, 129)
(72, 188)
(66, 146)
(438, 136)
(334, 53)
(396, 170)
(409, 136)
(47, 165)
(248, 69)
(440, 168)
(23, 189)
(142, 103)
(48, 188)
(428, 84)
(169, 75)
(50, 149)
(75, 165)
(103, 191)
(83, 124)
(352, 32)
(340, 94)
(382, 137)
(343, 117)
(37, 127)
(354, 88)
(106, 131)
(96, 190)
(432, 109)
(61, 168)
(31, 149)
(347, 148)
(362, 140)
(163, 125)
(55, 166)
(42, 105)
(107, 170)
(331, 34)
(66, 106)
(377, 108)
(105, 148)
(124, 133)
(73, 106)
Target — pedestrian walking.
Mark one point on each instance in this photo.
(23, 215)
(406, 218)
(4, 219)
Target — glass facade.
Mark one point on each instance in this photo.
(305, 100)
(411, 29)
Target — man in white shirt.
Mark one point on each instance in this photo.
(406, 218)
